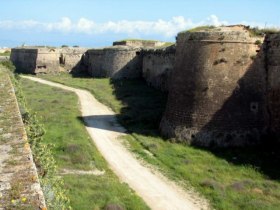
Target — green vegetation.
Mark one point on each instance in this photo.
(200, 28)
(72, 148)
(142, 40)
(229, 178)
(167, 44)
(6, 53)
(9, 65)
(260, 32)
(52, 185)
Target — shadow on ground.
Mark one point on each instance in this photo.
(142, 113)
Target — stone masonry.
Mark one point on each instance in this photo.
(115, 62)
(223, 82)
(272, 44)
(140, 43)
(157, 66)
(19, 185)
(218, 89)
(45, 59)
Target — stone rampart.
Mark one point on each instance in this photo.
(140, 43)
(45, 60)
(217, 94)
(157, 66)
(71, 58)
(116, 62)
(273, 69)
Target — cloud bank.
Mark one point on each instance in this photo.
(166, 28)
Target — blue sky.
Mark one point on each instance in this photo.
(95, 23)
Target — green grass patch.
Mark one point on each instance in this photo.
(58, 111)
(201, 28)
(7, 53)
(141, 40)
(228, 178)
(260, 32)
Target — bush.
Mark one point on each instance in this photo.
(9, 65)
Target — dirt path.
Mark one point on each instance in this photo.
(158, 192)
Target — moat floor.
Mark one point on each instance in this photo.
(154, 188)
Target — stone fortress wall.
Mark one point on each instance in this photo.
(219, 88)
(223, 82)
(127, 59)
(116, 62)
(157, 66)
(140, 43)
(272, 62)
(46, 59)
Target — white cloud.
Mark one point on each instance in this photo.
(167, 28)
(214, 20)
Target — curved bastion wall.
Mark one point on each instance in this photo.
(115, 62)
(217, 91)
(157, 66)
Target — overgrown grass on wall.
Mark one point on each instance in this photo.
(52, 185)
(230, 178)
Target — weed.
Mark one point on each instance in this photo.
(72, 148)
(220, 175)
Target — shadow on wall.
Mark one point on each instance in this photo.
(80, 69)
(143, 108)
(248, 99)
(144, 105)
(218, 94)
(114, 63)
(25, 62)
(133, 69)
(242, 119)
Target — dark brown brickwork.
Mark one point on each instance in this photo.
(273, 68)
(158, 65)
(217, 92)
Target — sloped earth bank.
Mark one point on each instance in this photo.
(156, 190)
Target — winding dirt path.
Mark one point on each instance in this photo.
(157, 191)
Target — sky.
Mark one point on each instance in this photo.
(97, 23)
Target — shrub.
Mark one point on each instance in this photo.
(9, 65)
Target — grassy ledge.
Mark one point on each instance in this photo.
(58, 111)
(229, 178)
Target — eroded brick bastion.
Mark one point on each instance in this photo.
(218, 89)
